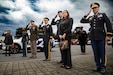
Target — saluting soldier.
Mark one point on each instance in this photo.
(57, 22)
(82, 37)
(33, 37)
(98, 35)
(47, 32)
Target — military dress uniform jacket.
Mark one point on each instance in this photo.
(58, 25)
(82, 37)
(33, 32)
(97, 26)
(47, 30)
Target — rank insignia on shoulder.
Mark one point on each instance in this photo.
(100, 15)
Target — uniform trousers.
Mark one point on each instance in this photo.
(47, 47)
(61, 52)
(82, 46)
(33, 47)
(99, 52)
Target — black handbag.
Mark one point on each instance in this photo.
(64, 45)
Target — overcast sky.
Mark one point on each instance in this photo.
(18, 13)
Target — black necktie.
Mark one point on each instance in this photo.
(95, 16)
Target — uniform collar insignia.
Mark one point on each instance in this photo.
(100, 15)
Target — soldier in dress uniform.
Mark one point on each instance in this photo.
(57, 22)
(98, 35)
(82, 37)
(47, 33)
(33, 37)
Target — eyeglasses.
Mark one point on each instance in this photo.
(94, 7)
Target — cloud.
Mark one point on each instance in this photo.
(17, 13)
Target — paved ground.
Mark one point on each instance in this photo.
(82, 65)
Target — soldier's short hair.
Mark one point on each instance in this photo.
(59, 12)
(32, 21)
(94, 4)
(46, 18)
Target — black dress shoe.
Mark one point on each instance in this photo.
(63, 66)
(67, 67)
(96, 70)
(102, 70)
(60, 62)
(45, 60)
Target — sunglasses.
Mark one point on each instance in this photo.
(94, 7)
